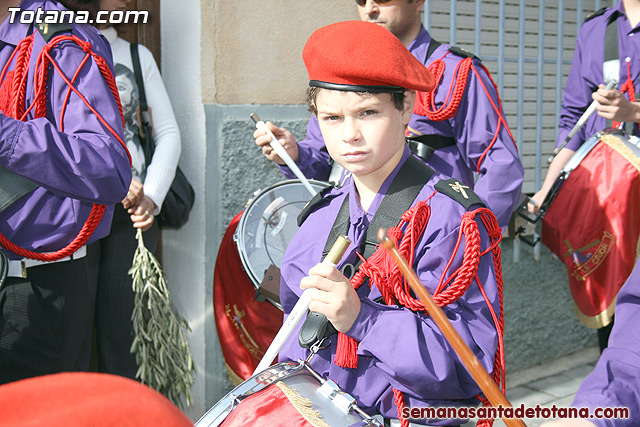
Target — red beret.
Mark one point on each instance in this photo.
(363, 56)
(86, 400)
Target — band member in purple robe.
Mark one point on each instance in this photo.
(387, 351)
(70, 146)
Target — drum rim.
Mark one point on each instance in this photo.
(222, 408)
(243, 218)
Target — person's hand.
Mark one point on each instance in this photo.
(614, 105)
(142, 214)
(285, 137)
(332, 295)
(568, 422)
(134, 195)
(533, 205)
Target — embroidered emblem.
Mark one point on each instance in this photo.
(236, 317)
(589, 257)
(459, 188)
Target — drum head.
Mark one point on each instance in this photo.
(268, 225)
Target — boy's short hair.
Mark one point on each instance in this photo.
(312, 93)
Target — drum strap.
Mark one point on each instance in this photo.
(404, 189)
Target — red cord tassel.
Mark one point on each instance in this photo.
(346, 352)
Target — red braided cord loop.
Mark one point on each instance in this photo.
(12, 104)
(627, 87)
(425, 101)
(381, 269)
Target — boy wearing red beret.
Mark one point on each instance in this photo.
(388, 353)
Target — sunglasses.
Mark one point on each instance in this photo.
(363, 2)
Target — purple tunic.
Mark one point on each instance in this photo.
(75, 168)
(473, 127)
(398, 348)
(586, 73)
(615, 381)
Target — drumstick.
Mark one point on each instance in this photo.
(469, 359)
(279, 149)
(300, 309)
(581, 121)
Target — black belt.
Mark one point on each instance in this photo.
(423, 146)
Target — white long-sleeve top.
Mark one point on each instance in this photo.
(158, 176)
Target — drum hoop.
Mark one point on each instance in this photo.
(237, 236)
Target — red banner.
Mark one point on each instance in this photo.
(593, 226)
(245, 327)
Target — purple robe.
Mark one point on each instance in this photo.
(398, 348)
(473, 127)
(615, 381)
(586, 73)
(83, 165)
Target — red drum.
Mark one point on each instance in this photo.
(290, 394)
(249, 256)
(593, 222)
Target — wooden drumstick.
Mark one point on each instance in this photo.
(469, 359)
(300, 309)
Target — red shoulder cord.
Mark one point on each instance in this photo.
(425, 101)
(385, 273)
(627, 87)
(12, 103)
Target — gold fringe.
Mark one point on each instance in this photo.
(616, 143)
(303, 405)
(599, 320)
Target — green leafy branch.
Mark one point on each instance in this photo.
(159, 331)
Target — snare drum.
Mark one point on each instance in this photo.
(591, 222)
(267, 226)
(291, 391)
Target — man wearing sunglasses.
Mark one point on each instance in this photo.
(457, 136)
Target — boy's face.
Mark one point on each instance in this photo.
(364, 133)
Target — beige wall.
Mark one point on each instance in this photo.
(253, 54)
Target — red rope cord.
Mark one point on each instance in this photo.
(15, 106)
(627, 87)
(381, 269)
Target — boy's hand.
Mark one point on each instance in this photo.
(332, 295)
(285, 137)
(613, 105)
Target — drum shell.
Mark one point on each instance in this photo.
(592, 226)
(255, 228)
(297, 376)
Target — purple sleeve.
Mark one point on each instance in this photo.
(428, 367)
(83, 160)
(584, 78)
(615, 381)
(493, 156)
(313, 158)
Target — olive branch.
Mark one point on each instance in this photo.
(159, 331)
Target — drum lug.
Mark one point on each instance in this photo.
(341, 400)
